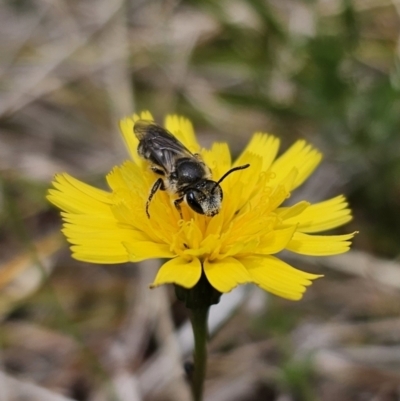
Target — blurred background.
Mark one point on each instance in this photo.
(327, 71)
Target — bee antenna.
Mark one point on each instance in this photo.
(229, 172)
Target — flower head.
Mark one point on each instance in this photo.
(234, 247)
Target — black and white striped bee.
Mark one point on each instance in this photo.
(183, 174)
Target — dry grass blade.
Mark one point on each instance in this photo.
(339, 366)
(363, 264)
(40, 77)
(18, 390)
(24, 274)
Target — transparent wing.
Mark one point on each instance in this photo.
(159, 145)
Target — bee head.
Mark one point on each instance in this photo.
(205, 197)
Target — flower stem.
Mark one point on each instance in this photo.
(199, 324)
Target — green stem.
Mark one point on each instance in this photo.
(199, 325)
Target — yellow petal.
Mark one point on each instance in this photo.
(126, 127)
(104, 254)
(322, 216)
(185, 273)
(182, 129)
(218, 159)
(301, 156)
(276, 241)
(98, 234)
(320, 245)
(142, 250)
(72, 195)
(282, 191)
(130, 181)
(101, 235)
(95, 193)
(262, 145)
(286, 213)
(240, 186)
(99, 221)
(130, 140)
(277, 277)
(226, 274)
(143, 115)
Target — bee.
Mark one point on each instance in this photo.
(182, 174)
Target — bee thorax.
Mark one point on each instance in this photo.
(189, 171)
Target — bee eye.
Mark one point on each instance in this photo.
(192, 200)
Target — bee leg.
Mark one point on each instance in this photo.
(177, 204)
(159, 184)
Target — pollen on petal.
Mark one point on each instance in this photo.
(180, 271)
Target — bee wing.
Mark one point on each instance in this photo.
(161, 146)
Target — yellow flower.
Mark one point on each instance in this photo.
(234, 247)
